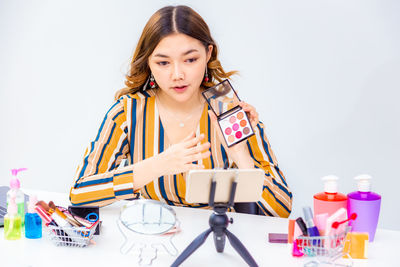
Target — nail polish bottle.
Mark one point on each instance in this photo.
(311, 228)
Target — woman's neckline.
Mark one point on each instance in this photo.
(167, 139)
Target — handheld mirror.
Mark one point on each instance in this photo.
(149, 217)
(151, 224)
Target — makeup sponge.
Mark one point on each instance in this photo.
(356, 245)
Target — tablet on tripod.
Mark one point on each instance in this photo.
(249, 185)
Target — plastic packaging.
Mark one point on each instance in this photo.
(366, 204)
(12, 221)
(338, 216)
(33, 222)
(330, 200)
(19, 195)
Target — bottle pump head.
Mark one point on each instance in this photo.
(363, 182)
(14, 183)
(32, 203)
(330, 183)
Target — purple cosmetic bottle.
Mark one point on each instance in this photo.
(366, 204)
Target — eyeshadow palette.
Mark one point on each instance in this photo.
(232, 119)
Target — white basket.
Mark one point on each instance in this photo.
(71, 236)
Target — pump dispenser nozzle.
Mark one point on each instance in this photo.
(14, 183)
(363, 182)
(32, 203)
(330, 183)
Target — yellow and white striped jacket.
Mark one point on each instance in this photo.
(132, 130)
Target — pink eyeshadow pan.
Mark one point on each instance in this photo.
(228, 131)
(232, 119)
(231, 138)
(246, 130)
(238, 134)
(235, 127)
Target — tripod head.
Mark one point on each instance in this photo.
(222, 208)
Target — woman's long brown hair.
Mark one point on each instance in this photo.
(166, 21)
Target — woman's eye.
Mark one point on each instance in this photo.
(191, 60)
(162, 63)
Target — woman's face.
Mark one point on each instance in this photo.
(178, 64)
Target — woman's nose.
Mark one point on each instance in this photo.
(177, 72)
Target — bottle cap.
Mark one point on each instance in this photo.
(363, 182)
(14, 183)
(330, 183)
(32, 203)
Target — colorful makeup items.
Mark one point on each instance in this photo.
(232, 119)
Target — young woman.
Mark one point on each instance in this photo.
(159, 119)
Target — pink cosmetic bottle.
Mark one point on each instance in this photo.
(330, 200)
(366, 204)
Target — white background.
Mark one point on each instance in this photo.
(324, 76)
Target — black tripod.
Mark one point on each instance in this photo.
(218, 223)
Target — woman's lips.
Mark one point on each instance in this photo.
(180, 89)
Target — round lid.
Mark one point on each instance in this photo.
(363, 182)
(330, 183)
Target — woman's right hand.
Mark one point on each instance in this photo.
(180, 157)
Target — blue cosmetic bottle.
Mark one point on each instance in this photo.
(33, 222)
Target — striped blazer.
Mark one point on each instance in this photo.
(132, 130)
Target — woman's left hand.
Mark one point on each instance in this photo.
(251, 113)
(239, 153)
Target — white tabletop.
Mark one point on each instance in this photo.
(252, 231)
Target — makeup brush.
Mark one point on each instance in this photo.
(44, 205)
(54, 208)
(353, 216)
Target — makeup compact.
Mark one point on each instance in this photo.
(232, 119)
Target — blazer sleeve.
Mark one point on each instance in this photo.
(98, 180)
(276, 195)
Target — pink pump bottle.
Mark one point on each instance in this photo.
(366, 204)
(330, 200)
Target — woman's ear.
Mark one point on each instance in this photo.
(209, 52)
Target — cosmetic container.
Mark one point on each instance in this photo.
(19, 195)
(330, 200)
(366, 204)
(12, 221)
(33, 222)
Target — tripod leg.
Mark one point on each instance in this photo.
(241, 249)
(219, 241)
(191, 248)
